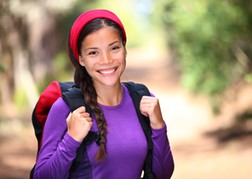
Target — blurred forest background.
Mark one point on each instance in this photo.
(196, 54)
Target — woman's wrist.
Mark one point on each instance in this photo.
(157, 125)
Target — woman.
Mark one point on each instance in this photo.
(97, 50)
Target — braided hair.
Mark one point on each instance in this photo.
(85, 83)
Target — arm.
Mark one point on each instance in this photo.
(58, 148)
(162, 161)
(163, 164)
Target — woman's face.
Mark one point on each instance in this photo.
(103, 55)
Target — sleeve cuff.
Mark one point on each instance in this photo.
(159, 132)
(72, 144)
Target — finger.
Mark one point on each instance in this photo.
(83, 115)
(148, 101)
(144, 110)
(80, 109)
(79, 112)
(89, 119)
(145, 114)
(147, 98)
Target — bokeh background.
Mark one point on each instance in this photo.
(195, 56)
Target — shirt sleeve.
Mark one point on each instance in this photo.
(58, 149)
(163, 164)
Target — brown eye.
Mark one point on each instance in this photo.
(115, 48)
(92, 53)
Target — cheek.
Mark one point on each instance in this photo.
(124, 59)
(88, 64)
(120, 57)
(122, 63)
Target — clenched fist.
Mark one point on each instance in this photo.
(149, 106)
(79, 123)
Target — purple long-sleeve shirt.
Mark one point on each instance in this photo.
(126, 146)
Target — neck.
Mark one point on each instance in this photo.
(110, 96)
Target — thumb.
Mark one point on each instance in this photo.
(144, 113)
(68, 118)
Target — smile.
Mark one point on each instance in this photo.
(107, 71)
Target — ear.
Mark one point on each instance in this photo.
(125, 52)
(81, 61)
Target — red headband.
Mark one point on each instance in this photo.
(86, 17)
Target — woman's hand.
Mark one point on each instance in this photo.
(149, 106)
(79, 123)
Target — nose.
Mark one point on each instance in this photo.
(105, 58)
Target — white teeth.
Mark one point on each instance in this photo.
(107, 71)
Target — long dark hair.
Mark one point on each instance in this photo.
(85, 82)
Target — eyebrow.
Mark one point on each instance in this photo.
(114, 42)
(91, 48)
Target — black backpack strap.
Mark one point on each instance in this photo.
(137, 91)
(74, 98)
(64, 86)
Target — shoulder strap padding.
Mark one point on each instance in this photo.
(74, 98)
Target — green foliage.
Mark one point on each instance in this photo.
(63, 71)
(20, 98)
(212, 40)
(2, 67)
(248, 78)
(63, 66)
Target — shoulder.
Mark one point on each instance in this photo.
(140, 88)
(56, 119)
(60, 106)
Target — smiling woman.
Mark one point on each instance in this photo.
(103, 55)
(97, 50)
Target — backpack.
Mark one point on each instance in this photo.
(74, 98)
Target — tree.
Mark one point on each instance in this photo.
(212, 41)
(29, 43)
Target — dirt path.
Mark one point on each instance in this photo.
(191, 128)
(193, 131)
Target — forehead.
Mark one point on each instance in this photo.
(106, 34)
